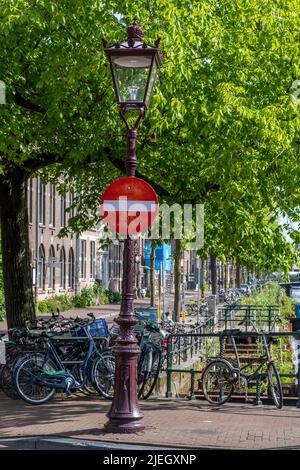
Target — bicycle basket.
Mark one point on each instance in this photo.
(97, 328)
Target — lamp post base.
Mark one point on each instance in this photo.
(123, 426)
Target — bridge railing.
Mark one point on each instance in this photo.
(201, 337)
(249, 317)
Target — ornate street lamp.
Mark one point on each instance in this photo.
(134, 65)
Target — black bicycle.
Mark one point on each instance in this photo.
(152, 343)
(220, 377)
(38, 375)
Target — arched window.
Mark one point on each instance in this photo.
(41, 274)
(62, 262)
(51, 268)
(71, 269)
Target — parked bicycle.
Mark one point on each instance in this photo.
(152, 340)
(221, 377)
(38, 375)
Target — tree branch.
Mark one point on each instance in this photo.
(24, 103)
(42, 160)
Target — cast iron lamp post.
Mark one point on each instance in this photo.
(134, 66)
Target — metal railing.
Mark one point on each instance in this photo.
(244, 316)
(198, 338)
(184, 345)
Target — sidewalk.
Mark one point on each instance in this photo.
(169, 423)
(109, 312)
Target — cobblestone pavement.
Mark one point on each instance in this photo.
(168, 423)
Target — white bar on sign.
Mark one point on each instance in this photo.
(129, 206)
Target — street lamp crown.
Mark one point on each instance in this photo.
(134, 32)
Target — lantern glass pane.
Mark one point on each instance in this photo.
(151, 82)
(131, 82)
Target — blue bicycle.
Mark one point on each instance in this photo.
(39, 375)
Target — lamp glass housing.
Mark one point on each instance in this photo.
(134, 78)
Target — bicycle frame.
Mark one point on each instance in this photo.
(263, 360)
(59, 380)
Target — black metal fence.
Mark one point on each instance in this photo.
(245, 316)
(195, 342)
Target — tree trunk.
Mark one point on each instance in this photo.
(152, 275)
(214, 274)
(238, 277)
(225, 276)
(177, 280)
(19, 303)
(202, 278)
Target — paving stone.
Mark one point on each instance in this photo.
(168, 422)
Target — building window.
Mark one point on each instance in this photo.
(92, 259)
(62, 262)
(51, 268)
(62, 211)
(41, 268)
(83, 259)
(52, 205)
(41, 201)
(72, 209)
(71, 269)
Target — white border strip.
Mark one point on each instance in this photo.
(129, 206)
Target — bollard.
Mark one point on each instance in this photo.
(158, 315)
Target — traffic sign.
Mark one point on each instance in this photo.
(129, 206)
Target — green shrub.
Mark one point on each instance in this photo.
(66, 302)
(116, 297)
(100, 294)
(42, 306)
(88, 297)
(50, 304)
(273, 294)
(113, 297)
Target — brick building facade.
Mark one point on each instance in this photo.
(59, 265)
(66, 265)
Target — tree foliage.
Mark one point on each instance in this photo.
(228, 130)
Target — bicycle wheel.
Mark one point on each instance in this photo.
(150, 379)
(6, 381)
(144, 366)
(217, 382)
(27, 375)
(275, 385)
(103, 375)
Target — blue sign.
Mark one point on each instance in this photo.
(163, 255)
